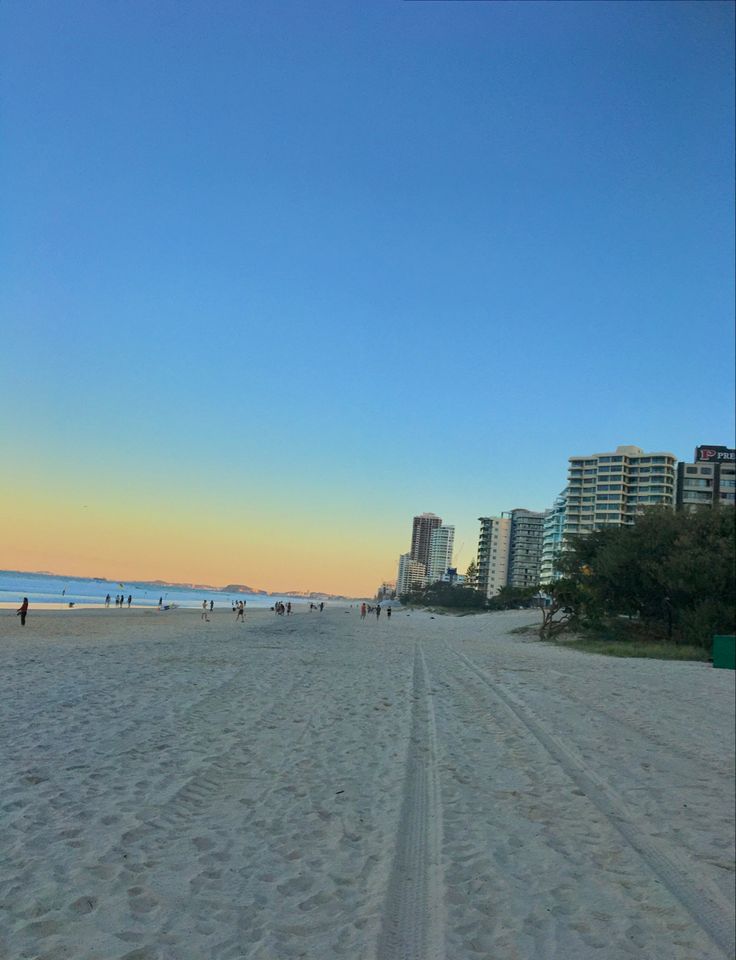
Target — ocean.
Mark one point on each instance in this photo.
(43, 588)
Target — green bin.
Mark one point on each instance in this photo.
(724, 653)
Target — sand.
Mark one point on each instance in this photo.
(317, 786)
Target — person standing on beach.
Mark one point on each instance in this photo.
(378, 611)
(241, 612)
(107, 600)
(130, 600)
(388, 612)
(22, 611)
(212, 605)
(204, 611)
(362, 611)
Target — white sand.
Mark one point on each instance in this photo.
(320, 787)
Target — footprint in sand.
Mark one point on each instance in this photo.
(203, 843)
(83, 905)
(295, 885)
(141, 901)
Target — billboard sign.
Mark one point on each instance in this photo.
(709, 454)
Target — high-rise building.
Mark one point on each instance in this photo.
(710, 479)
(493, 554)
(612, 488)
(412, 574)
(421, 536)
(440, 552)
(554, 524)
(525, 547)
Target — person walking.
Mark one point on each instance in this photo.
(378, 610)
(22, 611)
(240, 615)
(107, 600)
(212, 605)
(388, 612)
(204, 611)
(362, 611)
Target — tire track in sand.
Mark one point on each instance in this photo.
(413, 920)
(702, 900)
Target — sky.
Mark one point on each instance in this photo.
(274, 278)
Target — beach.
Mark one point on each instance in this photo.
(317, 786)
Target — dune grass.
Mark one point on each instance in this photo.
(651, 650)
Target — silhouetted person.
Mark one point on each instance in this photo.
(130, 599)
(388, 612)
(212, 605)
(378, 611)
(22, 611)
(107, 600)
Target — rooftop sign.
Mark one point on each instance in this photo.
(715, 454)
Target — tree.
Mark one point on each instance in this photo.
(471, 575)
(674, 571)
(509, 597)
(445, 595)
(567, 599)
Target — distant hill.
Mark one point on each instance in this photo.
(241, 588)
(166, 583)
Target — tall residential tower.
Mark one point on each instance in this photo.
(441, 542)
(421, 535)
(525, 547)
(612, 488)
(493, 554)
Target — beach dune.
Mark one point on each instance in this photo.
(316, 786)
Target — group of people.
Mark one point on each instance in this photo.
(367, 608)
(320, 606)
(282, 608)
(119, 600)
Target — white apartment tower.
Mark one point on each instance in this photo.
(441, 543)
(411, 575)
(612, 488)
(493, 554)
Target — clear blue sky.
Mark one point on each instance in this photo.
(361, 260)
